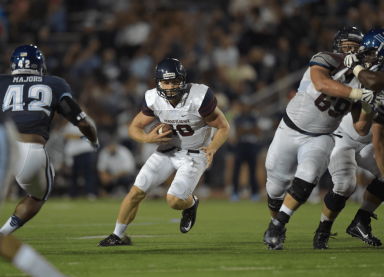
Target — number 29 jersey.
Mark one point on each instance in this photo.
(187, 118)
(31, 101)
(316, 112)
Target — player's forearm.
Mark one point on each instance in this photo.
(88, 128)
(220, 137)
(137, 134)
(372, 80)
(364, 124)
(332, 88)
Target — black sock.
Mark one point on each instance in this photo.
(363, 215)
(279, 220)
(325, 225)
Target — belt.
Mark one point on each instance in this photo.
(293, 126)
(173, 148)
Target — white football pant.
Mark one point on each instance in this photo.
(160, 166)
(292, 154)
(33, 170)
(345, 157)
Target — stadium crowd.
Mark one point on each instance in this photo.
(107, 50)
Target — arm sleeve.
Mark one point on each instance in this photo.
(209, 104)
(71, 110)
(145, 110)
(327, 60)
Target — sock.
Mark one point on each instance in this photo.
(287, 210)
(29, 261)
(120, 229)
(12, 224)
(363, 215)
(326, 223)
(280, 220)
(325, 218)
(368, 206)
(193, 202)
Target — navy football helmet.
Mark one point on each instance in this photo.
(28, 59)
(372, 48)
(169, 69)
(346, 34)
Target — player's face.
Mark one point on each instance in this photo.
(349, 46)
(171, 84)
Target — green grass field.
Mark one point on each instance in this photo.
(226, 241)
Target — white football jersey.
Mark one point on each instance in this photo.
(190, 130)
(316, 112)
(346, 126)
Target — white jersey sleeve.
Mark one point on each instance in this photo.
(187, 118)
(316, 112)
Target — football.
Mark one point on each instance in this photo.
(166, 127)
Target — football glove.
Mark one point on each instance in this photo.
(352, 60)
(95, 147)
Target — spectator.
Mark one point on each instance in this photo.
(247, 134)
(116, 167)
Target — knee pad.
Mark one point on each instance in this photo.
(274, 204)
(377, 189)
(335, 202)
(301, 190)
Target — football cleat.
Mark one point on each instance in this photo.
(362, 229)
(321, 238)
(114, 240)
(274, 237)
(189, 217)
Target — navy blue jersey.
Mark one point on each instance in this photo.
(248, 122)
(31, 101)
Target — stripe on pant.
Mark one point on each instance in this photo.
(48, 175)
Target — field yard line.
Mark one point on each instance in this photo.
(100, 237)
(222, 268)
(88, 225)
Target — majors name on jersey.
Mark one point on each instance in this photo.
(31, 101)
(187, 118)
(316, 112)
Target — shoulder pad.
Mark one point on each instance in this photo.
(328, 60)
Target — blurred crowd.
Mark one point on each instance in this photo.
(107, 51)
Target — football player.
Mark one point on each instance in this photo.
(300, 151)
(30, 99)
(191, 110)
(368, 66)
(23, 256)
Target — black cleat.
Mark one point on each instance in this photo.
(362, 229)
(274, 238)
(189, 217)
(114, 240)
(321, 239)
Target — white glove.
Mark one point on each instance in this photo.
(95, 147)
(351, 60)
(368, 96)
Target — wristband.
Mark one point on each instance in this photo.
(357, 70)
(355, 93)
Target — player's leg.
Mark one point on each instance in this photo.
(25, 258)
(313, 159)
(251, 158)
(239, 154)
(190, 167)
(342, 168)
(155, 171)
(281, 165)
(34, 173)
(373, 197)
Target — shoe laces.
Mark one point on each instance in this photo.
(188, 213)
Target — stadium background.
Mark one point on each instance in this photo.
(249, 52)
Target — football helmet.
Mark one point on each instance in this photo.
(28, 59)
(372, 48)
(346, 34)
(169, 69)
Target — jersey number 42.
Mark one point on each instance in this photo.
(14, 98)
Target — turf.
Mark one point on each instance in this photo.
(226, 241)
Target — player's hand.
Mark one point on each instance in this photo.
(371, 97)
(208, 154)
(351, 60)
(154, 137)
(95, 146)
